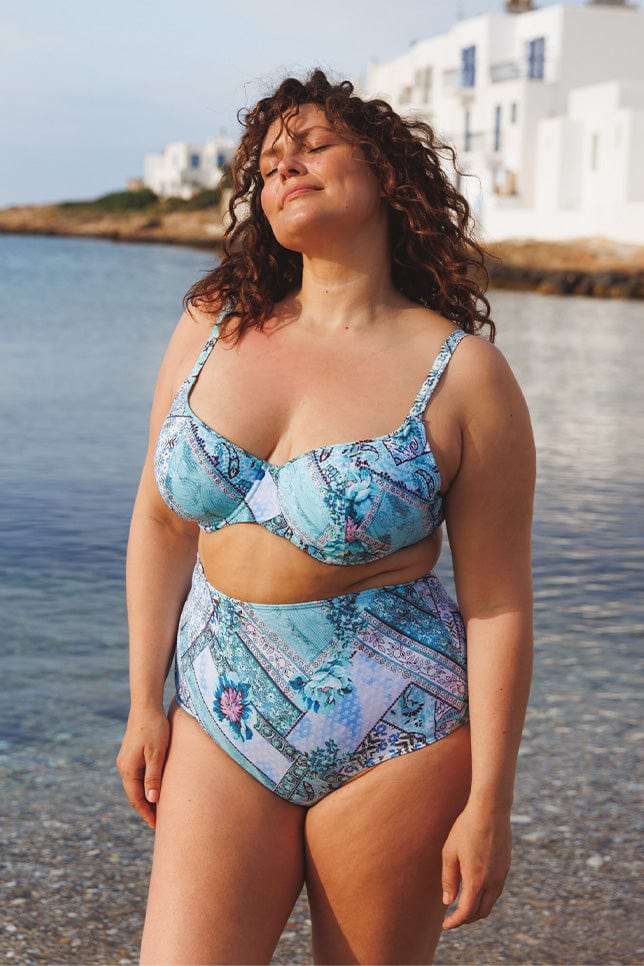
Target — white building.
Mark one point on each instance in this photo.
(182, 170)
(545, 108)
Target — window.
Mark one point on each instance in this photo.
(514, 112)
(467, 133)
(194, 160)
(498, 115)
(468, 66)
(423, 83)
(221, 159)
(536, 58)
(405, 95)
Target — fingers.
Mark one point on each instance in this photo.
(451, 881)
(478, 893)
(146, 811)
(476, 858)
(141, 759)
(153, 771)
(466, 911)
(451, 877)
(473, 904)
(488, 901)
(134, 789)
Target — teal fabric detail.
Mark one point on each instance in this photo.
(348, 503)
(306, 696)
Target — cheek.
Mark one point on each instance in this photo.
(263, 197)
(268, 198)
(367, 193)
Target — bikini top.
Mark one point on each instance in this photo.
(346, 503)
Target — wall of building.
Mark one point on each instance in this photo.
(181, 169)
(551, 130)
(634, 138)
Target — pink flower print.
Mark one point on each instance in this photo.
(232, 705)
(351, 530)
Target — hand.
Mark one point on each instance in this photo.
(141, 760)
(476, 857)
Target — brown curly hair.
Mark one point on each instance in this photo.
(435, 261)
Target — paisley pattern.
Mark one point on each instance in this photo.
(343, 504)
(305, 696)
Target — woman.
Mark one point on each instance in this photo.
(320, 730)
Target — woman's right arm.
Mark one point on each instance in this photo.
(161, 555)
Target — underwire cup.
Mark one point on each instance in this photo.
(305, 696)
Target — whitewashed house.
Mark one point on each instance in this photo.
(182, 170)
(545, 108)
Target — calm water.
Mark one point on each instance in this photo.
(82, 328)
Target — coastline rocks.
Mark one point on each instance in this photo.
(585, 266)
(620, 284)
(200, 229)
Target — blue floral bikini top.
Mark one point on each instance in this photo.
(346, 503)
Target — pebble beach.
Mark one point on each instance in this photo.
(75, 858)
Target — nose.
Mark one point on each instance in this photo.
(290, 163)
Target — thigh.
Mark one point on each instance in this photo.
(228, 858)
(374, 856)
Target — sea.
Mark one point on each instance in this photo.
(83, 326)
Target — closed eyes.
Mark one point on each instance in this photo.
(308, 150)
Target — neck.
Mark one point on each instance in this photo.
(348, 287)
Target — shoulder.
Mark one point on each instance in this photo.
(488, 401)
(186, 343)
(479, 367)
(192, 332)
(423, 331)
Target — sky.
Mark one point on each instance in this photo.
(88, 88)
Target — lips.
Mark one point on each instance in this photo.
(296, 191)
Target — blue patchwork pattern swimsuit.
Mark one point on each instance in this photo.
(304, 696)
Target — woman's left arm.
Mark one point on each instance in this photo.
(489, 517)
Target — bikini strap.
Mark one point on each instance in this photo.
(207, 349)
(436, 371)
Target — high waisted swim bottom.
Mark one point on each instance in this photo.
(305, 696)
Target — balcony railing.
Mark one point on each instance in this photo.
(507, 70)
(456, 79)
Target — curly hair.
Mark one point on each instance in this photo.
(435, 261)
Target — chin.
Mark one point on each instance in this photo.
(302, 238)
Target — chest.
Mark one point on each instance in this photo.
(278, 400)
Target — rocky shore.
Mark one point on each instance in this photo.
(587, 266)
(179, 227)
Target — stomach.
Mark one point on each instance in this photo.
(249, 563)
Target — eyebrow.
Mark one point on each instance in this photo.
(299, 135)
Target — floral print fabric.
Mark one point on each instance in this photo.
(305, 696)
(343, 504)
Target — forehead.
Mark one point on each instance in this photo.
(295, 123)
